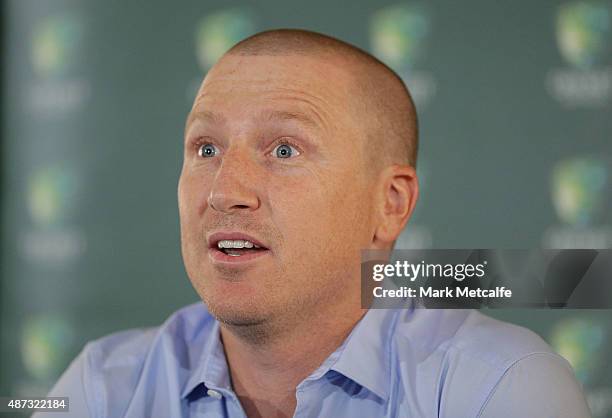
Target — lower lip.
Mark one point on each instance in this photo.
(220, 257)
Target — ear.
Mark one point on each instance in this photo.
(398, 193)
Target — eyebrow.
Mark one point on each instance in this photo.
(281, 115)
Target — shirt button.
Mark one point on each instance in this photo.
(214, 394)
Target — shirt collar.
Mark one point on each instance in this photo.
(212, 369)
(365, 354)
(363, 357)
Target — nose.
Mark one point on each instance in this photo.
(234, 186)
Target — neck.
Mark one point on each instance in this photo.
(266, 369)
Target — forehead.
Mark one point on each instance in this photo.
(243, 83)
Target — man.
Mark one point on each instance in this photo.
(300, 152)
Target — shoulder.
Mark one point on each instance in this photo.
(469, 335)
(131, 347)
(494, 342)
(471, 357)
(109, 370)
(538, 385)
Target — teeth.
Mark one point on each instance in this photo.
(236, 243)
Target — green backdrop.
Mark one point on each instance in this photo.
(514, 101)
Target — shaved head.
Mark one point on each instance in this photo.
(306, 144)
(383, 105)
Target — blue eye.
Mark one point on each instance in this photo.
(285, 151)
(207, 150)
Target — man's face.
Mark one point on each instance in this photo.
(273, 151)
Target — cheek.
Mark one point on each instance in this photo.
(192, 193)
(316, 211)
(190, 201)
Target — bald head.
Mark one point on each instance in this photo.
(381, 100)
(306, 144)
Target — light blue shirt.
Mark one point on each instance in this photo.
(395, 363)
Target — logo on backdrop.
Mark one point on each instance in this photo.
(56, 44)
(584, 343)
(215, 34)
(218, 32)
(579, 186)
(583, 33)
(581, 195)
(398, 37)
(56, 50)
(52, 193)
(45, 340)
(581, 342)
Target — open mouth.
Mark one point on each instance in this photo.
(235, 247)
(238, 247)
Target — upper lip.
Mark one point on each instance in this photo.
(214, 238)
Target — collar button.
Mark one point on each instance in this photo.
(214, 394)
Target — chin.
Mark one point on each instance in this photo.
(239, 319)
(236, 311)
